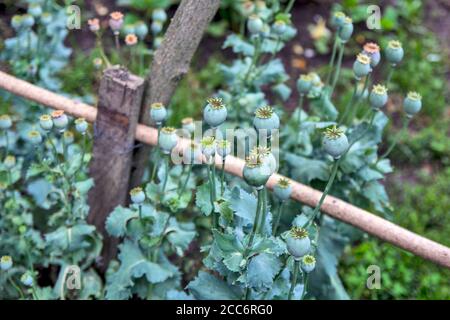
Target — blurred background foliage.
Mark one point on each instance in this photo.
(419, 188)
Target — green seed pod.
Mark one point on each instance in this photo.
(361, 66)
(5, 122)
(208, 146)
(372, 50)
(255, 173)
(223, 148)
(188, 125)
(6, 263)
(35, 10)
(17, 22)
(304, 83)
(81, 125)
(308, 263)
(283, 189)
(158, 113)
(335, 142)
(378, 96)
(45, 121)
(156, 27)
(168, 139)
(412, 103)
(9, 162)
(266, 119)
(34, 137)
(27, 279)
(27, 21)
(279, 27)
(159, 15)
(266, 156)
(215, 112)
(137, 195)
(141, 29)
(337, 19)
(46, 18)
(60, 120)
(255, 24)
(129, 29)
(297, 242)
(68, 137)
(346, 30)
(394, 52)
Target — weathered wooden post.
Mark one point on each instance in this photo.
(119, 103)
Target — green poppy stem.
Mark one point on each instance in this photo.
(300, 110)
(332, 60)
(294, 279)
(338, 67)
(277, 222)
(187, 180)
(222, 177)
(396, 139)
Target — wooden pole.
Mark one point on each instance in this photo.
(171, 62)
(332, 206)
(119, 103)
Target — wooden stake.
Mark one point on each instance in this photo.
(119, 103)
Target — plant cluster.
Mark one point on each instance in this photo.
(248, 251)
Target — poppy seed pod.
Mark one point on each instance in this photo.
(223, 148)
(27, 279)
(283, 189)
(247, 8)
(266, 119)
(266, 156)
(6, 263)
(159, 15)
(373, 51)
(46, 18)
(297, 242)
(156, 27)
(35, 9)
(254, 24)
(168, 139)
(394, 52)
(60, 120)
(304, 83)
(215, 112)
(346, 30)
(34, 137)
(27, 21)
(378, 96)
(335, 142)
(308, 263)
(208, 146)
(255, 173)
(158, 112)
(157, 42)
(45, 121)
(115, 21)
(5, 122)
(279, 27)
(9, 162)
(81, 125)
(137, 195)
(337, 19)
(361, 66)
(68, 137)
(188, 125)
(412, 103)
(141, 30)
(17, 22)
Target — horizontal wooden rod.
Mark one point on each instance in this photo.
(332, 206)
